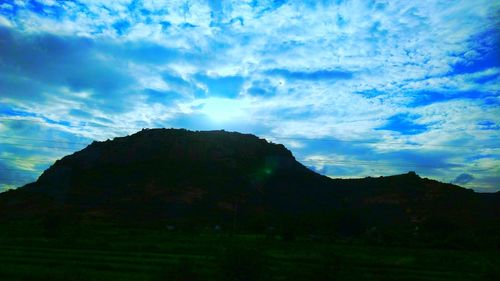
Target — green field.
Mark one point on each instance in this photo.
(108, 253)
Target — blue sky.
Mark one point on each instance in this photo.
(353, 88)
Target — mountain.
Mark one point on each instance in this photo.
(180, 177)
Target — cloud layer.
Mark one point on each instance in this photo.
(353, 88)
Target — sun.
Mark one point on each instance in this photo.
(223, 109)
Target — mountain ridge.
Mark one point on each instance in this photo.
(211, 177)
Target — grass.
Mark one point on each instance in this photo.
(108, 253)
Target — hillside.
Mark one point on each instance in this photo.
(215, 177)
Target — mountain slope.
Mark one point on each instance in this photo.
(216, 177)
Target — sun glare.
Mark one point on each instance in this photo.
(222, 109)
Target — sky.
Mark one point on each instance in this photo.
(352, 88)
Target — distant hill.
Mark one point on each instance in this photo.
(238, 180)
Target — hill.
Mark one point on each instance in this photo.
(239, 181)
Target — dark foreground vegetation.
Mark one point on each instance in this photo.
(97, 251)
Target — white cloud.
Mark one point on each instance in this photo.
(5, 22)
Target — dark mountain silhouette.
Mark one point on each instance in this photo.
(226, 178)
